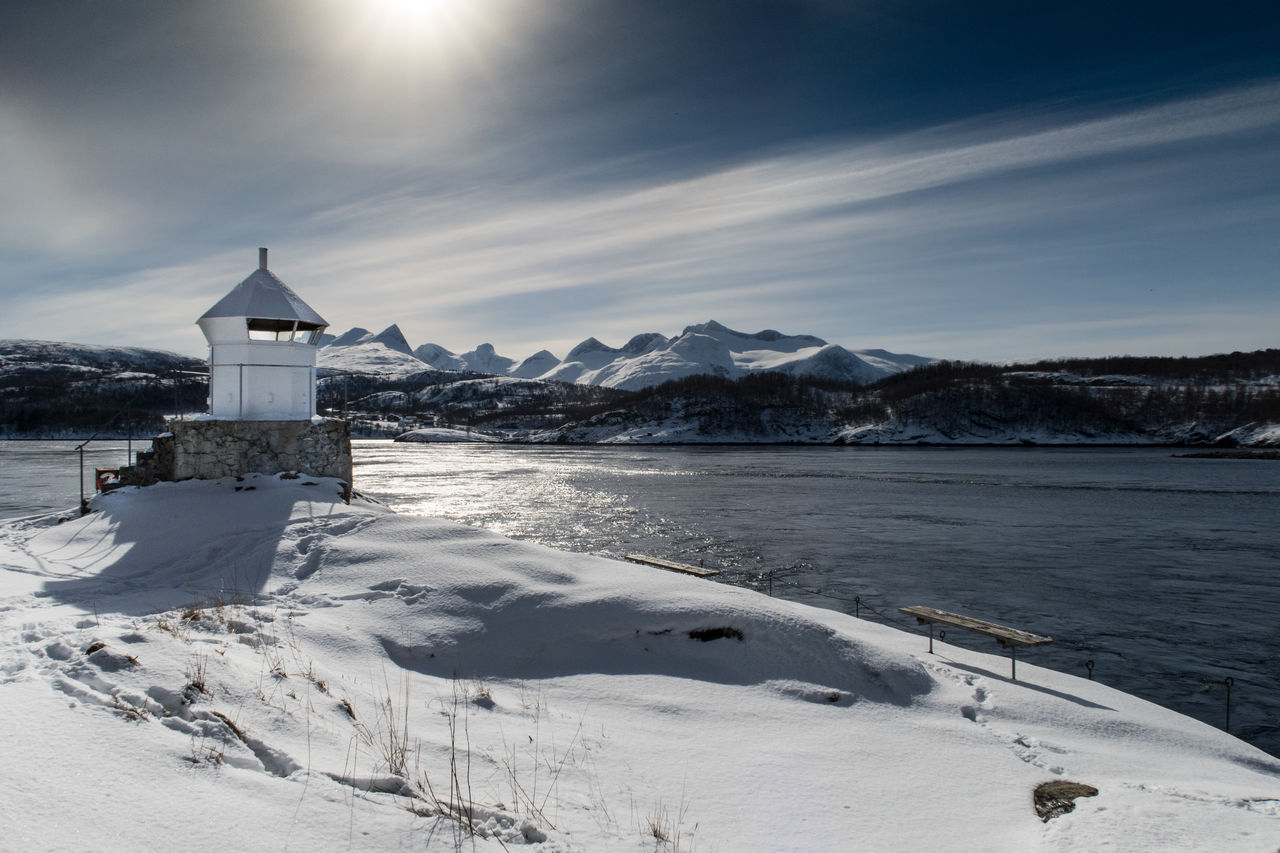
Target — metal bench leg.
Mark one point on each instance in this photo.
(1013, 655)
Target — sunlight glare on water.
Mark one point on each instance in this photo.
(480, 486)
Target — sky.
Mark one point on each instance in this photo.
(981, 180)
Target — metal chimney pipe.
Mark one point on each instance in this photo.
(262, 258)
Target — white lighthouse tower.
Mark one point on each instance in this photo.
(262, 351)
(262, 397)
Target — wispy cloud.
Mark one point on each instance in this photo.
(849, 226)
(979, 227)
(1152, 333)
(49, 202)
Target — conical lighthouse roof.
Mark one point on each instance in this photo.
(265, 297)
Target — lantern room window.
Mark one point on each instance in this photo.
(308, 333)
(283, 330)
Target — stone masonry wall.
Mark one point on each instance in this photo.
(209, 449)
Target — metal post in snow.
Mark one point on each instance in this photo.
(1228, 682)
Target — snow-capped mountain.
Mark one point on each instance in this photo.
(360, 351)
(645, 360)
(535, 365)
(482, 359)
(438, 357)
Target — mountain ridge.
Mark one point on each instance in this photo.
(647, 359)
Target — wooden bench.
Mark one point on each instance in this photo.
(1010, 638)
(674, 567)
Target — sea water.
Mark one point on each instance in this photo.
(1162, 571)
(51, 476)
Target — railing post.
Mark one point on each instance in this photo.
(84, 505)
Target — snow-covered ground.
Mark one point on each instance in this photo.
(254, 664)
(439, 434)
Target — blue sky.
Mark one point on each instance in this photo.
(980, 180)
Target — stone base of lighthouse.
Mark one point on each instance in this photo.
(210, 449)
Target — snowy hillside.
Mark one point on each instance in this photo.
(646, 360)
(19, 356)
(50, 389)
(255, 665)
(1224, 400)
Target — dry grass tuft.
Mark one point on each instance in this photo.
(196, 685)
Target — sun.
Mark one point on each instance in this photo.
(448, 30)
(425, 19)
(400, 48)
(417, 13)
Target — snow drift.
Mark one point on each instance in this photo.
(340, 676)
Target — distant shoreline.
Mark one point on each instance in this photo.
(1230, 454)
(1193, 452)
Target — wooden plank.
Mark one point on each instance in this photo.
(674, 567)
(1006, 635)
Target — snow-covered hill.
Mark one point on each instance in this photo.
(646, 360)
(18, 357)
(255, 665)
(52, 389)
